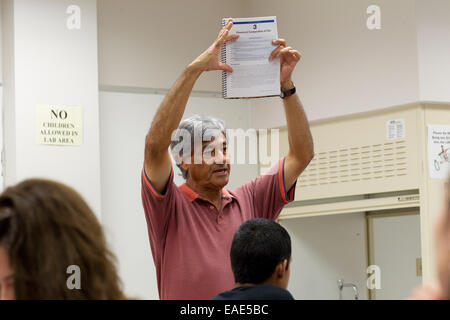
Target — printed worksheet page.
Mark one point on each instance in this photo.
(253, 74)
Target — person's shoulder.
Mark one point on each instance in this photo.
(226, 295)
(256, 292)
(238, 293)
(276, 293)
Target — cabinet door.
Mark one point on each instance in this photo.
(395, 247)
(324, 250)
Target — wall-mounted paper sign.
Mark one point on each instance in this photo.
(395, 129)
(59, 125)
(439, 151)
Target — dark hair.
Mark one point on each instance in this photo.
(258, 246)
(45, 227)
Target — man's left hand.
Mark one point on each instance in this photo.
(288, 59)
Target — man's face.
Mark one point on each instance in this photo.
(6, 276)
(214, 170)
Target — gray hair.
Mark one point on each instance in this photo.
(184, 137)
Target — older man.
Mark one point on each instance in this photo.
(191, 227)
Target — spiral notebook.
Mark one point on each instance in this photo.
(253, 76)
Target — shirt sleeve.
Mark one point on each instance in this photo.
(158, 207)
(268, 192)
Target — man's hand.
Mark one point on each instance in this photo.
(209, 60)
(288, 59)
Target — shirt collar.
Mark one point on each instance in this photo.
(192, 195)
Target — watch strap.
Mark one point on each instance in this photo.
(285, 94)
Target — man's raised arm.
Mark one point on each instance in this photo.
(301, 147)
(157, 161)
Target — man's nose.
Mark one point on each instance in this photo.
(221, 158)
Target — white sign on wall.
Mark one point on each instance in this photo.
(59, 125)
(439, 151)
(395, 129)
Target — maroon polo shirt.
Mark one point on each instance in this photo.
(191, 240)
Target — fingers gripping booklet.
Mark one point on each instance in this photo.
(253, 74)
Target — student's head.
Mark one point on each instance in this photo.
(45, 227)
(199, 147)
(260, 253)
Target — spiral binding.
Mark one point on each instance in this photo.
(223, 59)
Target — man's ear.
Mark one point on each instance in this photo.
(281, 268)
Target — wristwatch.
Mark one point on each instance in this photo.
(285, 94)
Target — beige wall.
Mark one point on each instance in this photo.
(345, 67)
(148, 43)
(433, 202)
(46, 63)
(433, 37)
(1, 42)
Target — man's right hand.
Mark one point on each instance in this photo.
(209, 60)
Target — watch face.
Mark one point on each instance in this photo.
(282, 94)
